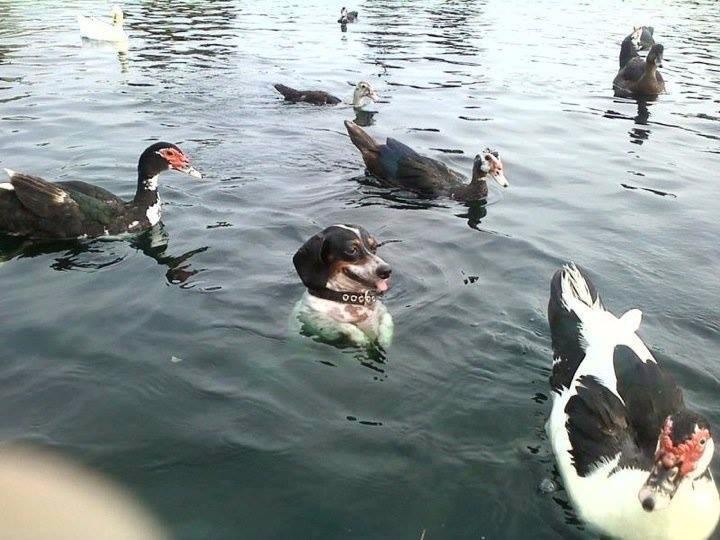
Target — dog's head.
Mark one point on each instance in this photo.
(342, 258)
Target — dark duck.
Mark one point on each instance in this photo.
(638, 77)
(347, 16)
(36, 208)
(363, 95)
(634, 459)
(398, 165)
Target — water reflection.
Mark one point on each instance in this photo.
(185, 29)
(374, 193)
(364, 118)
(121, 48)
(103, 253)
(637, 135)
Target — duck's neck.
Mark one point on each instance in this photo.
(360, 101)
(474, 191)
(650, 72)
(146, 194)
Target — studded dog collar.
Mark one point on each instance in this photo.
(368, 298)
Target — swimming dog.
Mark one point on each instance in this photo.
(344, 279)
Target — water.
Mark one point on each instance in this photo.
(166, 362)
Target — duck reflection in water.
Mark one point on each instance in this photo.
(99, 254)
(345, 279)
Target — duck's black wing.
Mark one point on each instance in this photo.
(600, 425)
(649, 392)
(45, 209)
(425, 175)
(633, 70)
(92, 191)
(317, 97)
(414, 171)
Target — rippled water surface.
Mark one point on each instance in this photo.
(166, 361)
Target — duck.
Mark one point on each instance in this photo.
(629, 47)
(363, 95)
(646, 37)
(35, 208)
(96, 29)
(638, 77)
(641, 38)
(398, 165)
(634, 459)
(347, 16)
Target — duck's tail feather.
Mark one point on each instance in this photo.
(360, 138)
(575, 286)
(286, 91)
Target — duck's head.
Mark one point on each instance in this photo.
(117, 15)
(161, 157)
(488, 163)
(364, 94)
(684, 451)
(343, 16)
(655, 56)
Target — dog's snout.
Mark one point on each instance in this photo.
(383, 271)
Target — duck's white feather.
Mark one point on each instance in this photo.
(96, 29)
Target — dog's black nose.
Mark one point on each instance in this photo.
(383, 271)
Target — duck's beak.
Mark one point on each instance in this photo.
(659, 488)
(373, 95)
(191, 171)
(499, 177)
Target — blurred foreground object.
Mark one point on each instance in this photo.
(43, 496)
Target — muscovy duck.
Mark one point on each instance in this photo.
(634, 460)
(638, 77)
(36, 208)
(398, 165)
(363, 95)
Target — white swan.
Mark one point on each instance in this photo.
(94, 28)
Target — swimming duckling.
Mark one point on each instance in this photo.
(96, 29)
(640, 78)
(362, 96)
(347, 16)
(398, 165)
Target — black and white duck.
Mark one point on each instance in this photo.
(363, 95)
(398, 165)
(347, 16)
(638, 77)
(634, 460)
(36, 208)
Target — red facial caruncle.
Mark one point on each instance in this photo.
(684, 455)
(175, 158)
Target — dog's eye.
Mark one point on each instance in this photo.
(352, 250)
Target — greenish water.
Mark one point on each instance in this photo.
(166, 362)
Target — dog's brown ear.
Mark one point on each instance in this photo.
(309, 263)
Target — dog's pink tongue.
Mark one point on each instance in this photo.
(383, 285)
